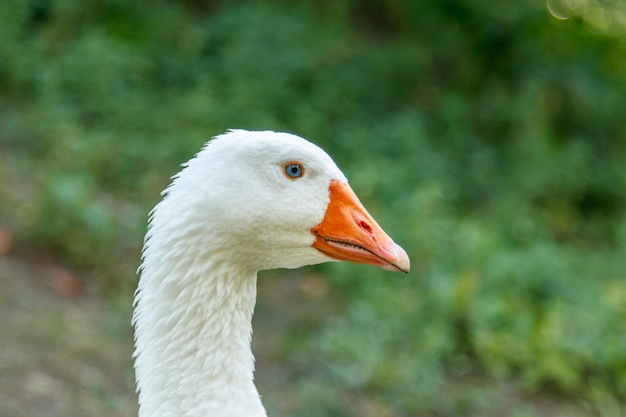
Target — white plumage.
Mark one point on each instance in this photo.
(240, 206)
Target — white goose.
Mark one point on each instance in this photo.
(248, 201)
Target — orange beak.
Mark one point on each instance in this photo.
(349, 233)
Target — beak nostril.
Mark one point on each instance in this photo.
(366, 226)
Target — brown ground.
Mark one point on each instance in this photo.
(61, 353)
(65, 352)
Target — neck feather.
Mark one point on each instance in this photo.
(192, 320)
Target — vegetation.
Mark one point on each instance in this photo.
(487, 137)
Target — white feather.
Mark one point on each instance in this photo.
(229, 213)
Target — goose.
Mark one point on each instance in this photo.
(248, 201)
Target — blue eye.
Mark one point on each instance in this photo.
(294, 170)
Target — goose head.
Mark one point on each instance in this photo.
(270, 200)
(248, 201)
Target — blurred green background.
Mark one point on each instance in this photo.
(487, 137)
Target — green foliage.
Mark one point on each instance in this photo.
(487, 137)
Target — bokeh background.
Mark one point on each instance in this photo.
(487, 137)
